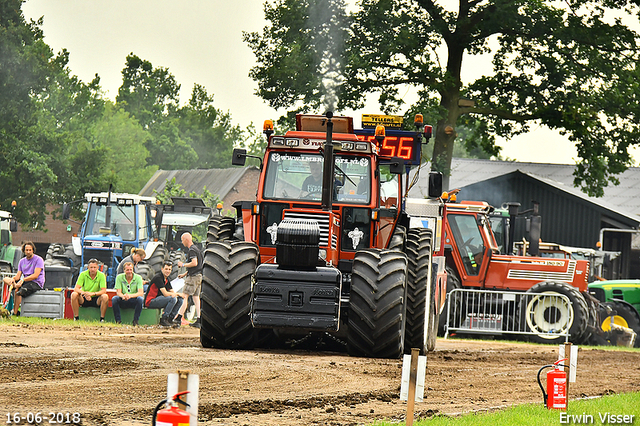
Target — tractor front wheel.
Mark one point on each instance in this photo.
(622, 315)
(226, 295)
(547, 317)
(377, 305)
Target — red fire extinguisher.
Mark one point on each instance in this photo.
(556, 395)
(172, 416)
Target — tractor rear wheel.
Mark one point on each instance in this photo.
(622, 315)
(156, 260)
(226, 295)
(377, 308)
(221, 228)
(546, 317)
(176, 256)
(419, 261)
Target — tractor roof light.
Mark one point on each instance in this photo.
(380, 133)
(445, 196)
(219, 206)
(427, 132)
(267, 128)
(418, 121)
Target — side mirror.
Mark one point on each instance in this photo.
(66, 211)
(435, 184)
(13, 225)
(396, 166)
(239, 157)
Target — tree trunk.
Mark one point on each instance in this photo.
(446, 127)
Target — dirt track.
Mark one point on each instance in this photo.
(116, 375)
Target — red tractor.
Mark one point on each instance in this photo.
(328, 246)
(474, 261)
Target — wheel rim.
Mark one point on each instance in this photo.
(549, 316)
(617, 320)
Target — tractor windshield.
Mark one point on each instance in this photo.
(298, 176)
(122, 221)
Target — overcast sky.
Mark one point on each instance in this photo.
(200, 41)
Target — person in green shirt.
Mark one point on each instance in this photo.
(90, 291)
(129, 294)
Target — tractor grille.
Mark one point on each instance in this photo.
(545, 275)
(103, 256)
(323, 222)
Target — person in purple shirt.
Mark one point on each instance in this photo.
(30, 275)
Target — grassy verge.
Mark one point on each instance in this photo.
(595, 411)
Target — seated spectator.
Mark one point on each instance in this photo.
(137, 255)
(160, 295)
(90, 291)
(29, 278)
(129, 294)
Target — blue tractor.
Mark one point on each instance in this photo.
(114, 224)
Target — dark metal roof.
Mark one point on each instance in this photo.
(217, 181)
(465, 171)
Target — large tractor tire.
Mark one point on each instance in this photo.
(377, 308)
(545, 318)
(453, 282)
(144, 270)
(156, 260)
(622, 315)
(221, 228)
(226, 295)
(418, 250)
(398, 238)
(176, 256)
(55, 249)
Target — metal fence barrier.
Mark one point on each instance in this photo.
(548, 315)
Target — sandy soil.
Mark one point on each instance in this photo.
(116, 375)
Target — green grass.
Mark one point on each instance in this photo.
(62, 323)
(537, 414)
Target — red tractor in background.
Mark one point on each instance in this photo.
(475, 261)
(329, 245)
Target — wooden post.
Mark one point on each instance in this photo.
(567, 355)
(413, 376)
(183, 378)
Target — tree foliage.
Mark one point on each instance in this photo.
(570, 66)
(60, 138)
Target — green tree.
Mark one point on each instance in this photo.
(568, 66)
(30, 148)
(122, 141)
(194, 135)
(208, 130)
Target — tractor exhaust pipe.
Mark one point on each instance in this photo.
(327, 172)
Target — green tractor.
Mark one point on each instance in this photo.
(10, 255)
(621, 300)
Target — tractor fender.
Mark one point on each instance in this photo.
(76, 243)
(151, 247)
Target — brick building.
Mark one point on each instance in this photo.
(58, 231)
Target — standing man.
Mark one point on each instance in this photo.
(160, 295)
(129, 294)
(193, 280)
(90, 291)
(30, 275)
